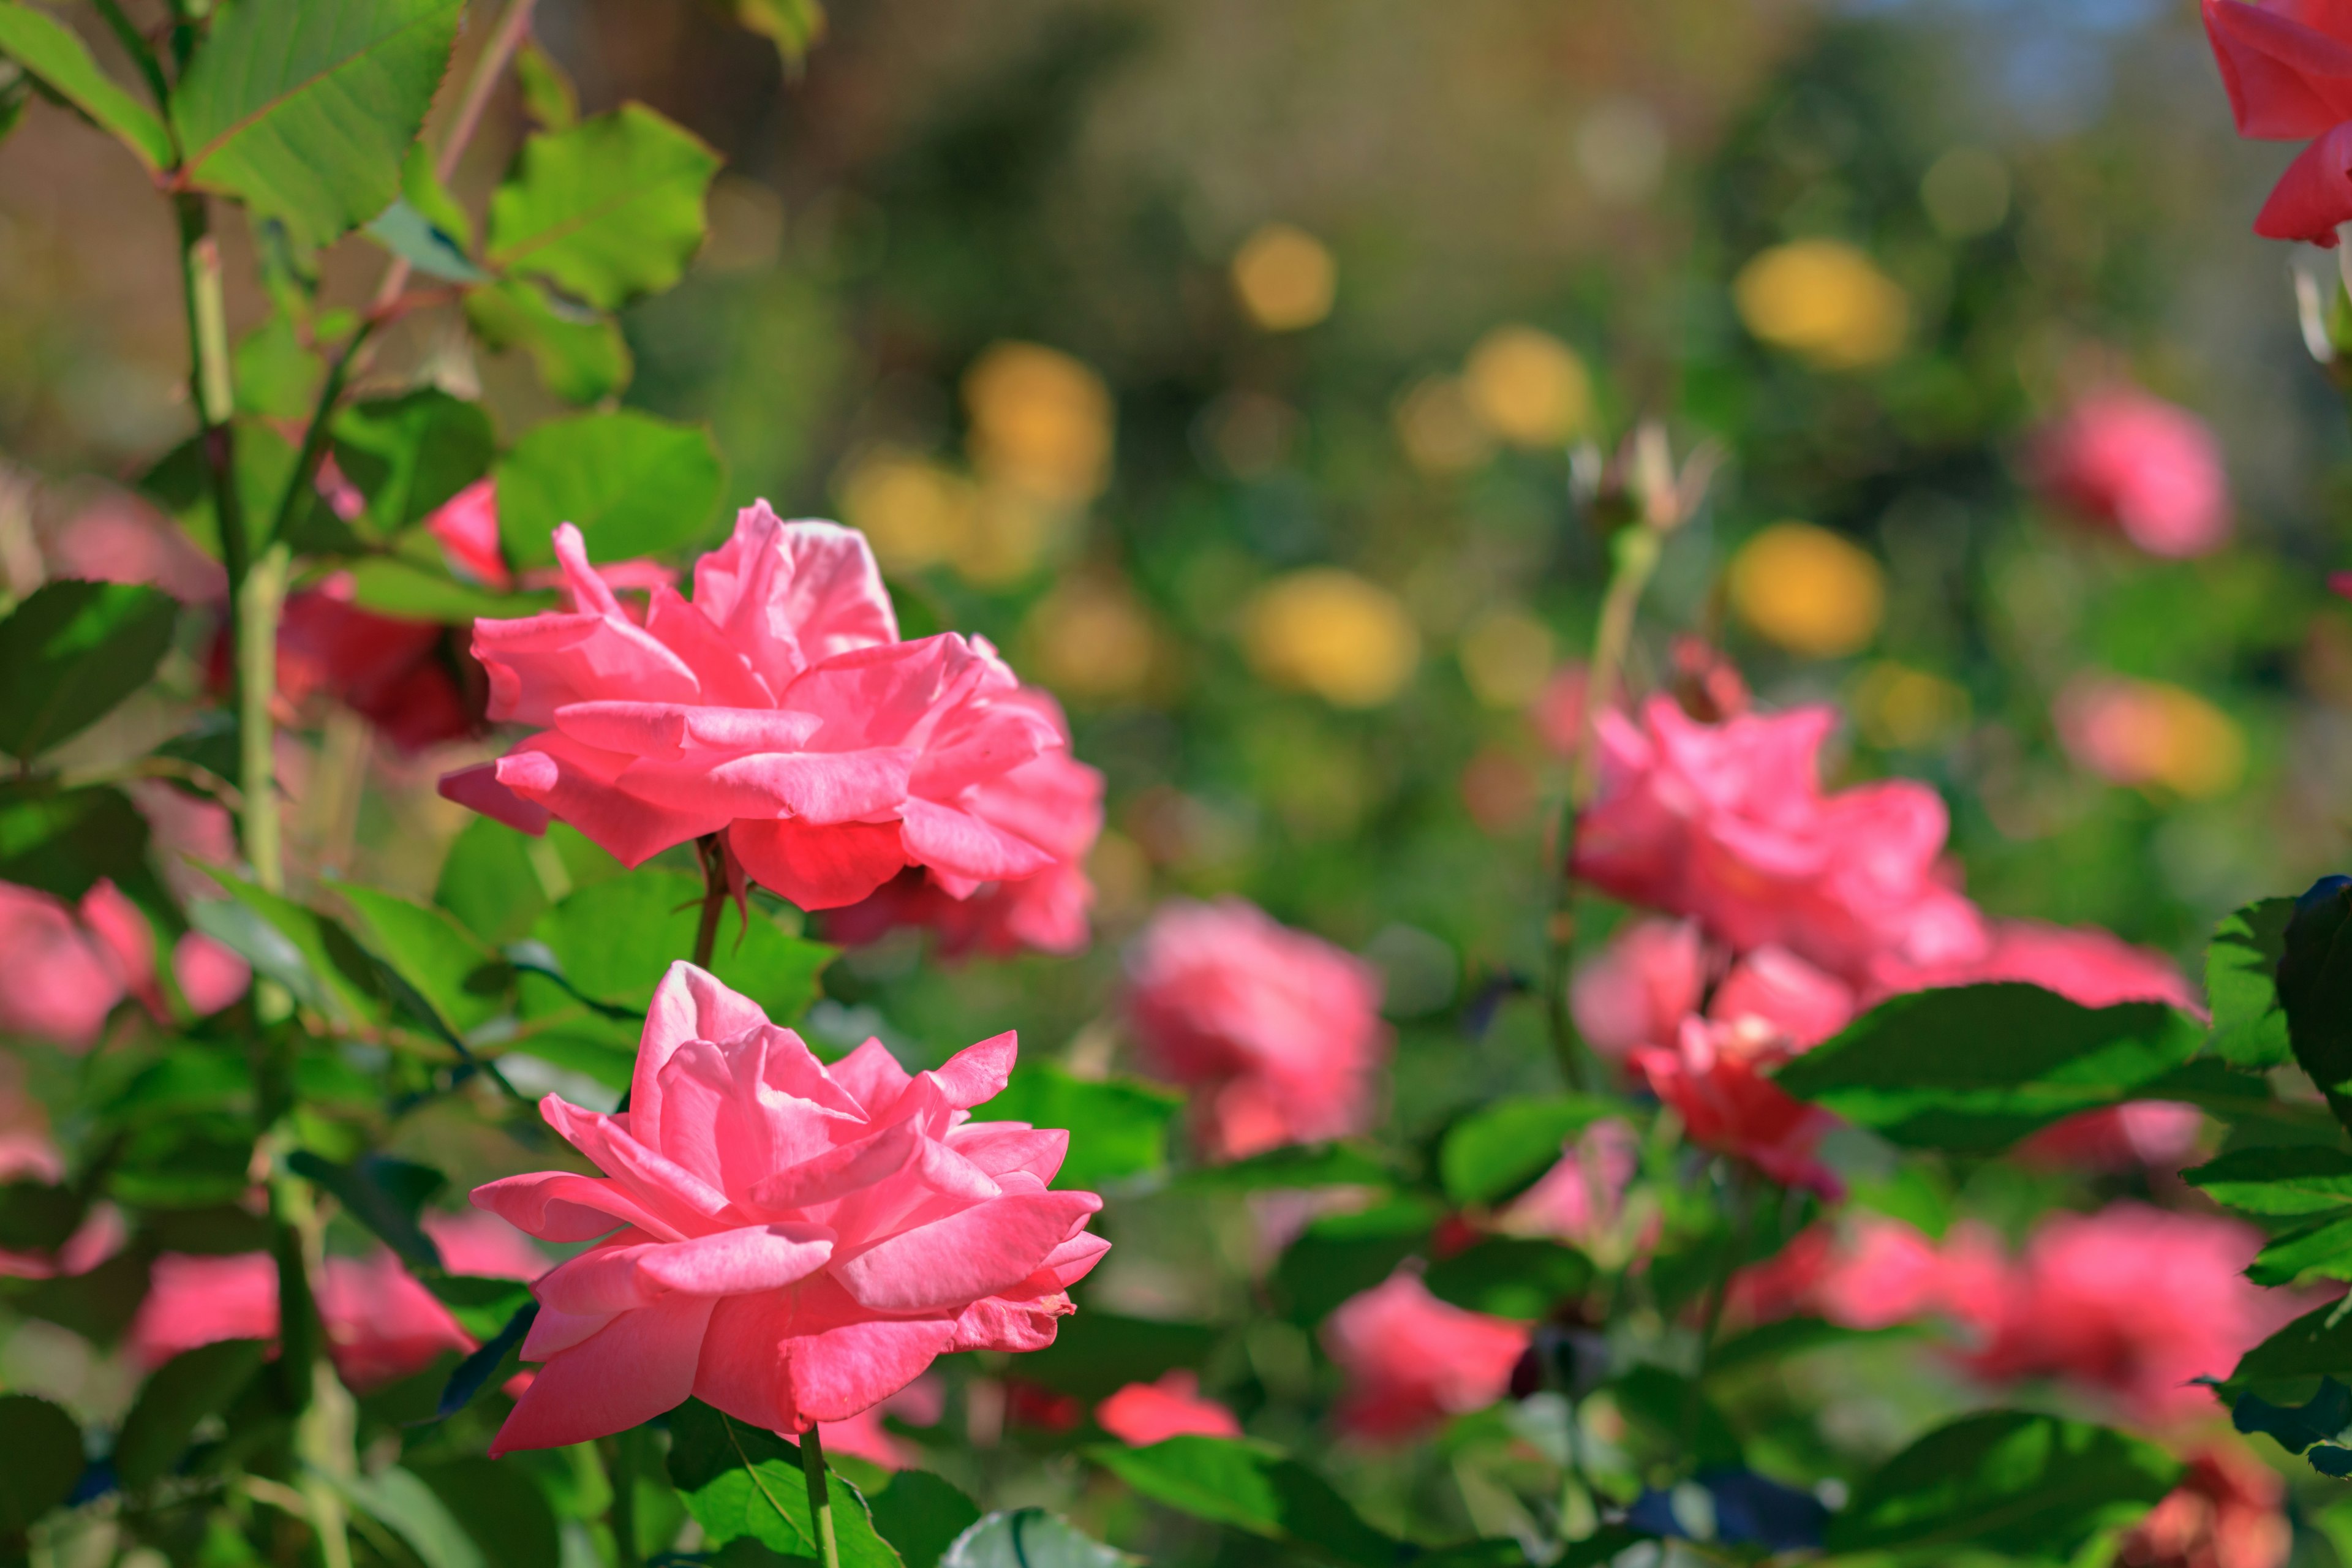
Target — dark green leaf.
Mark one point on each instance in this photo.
(1507, 1278)
(636, 485)
(607, 210)
(2278, 1179)
(615, 940)
(2242, 985)
(63, 840)
(1311, 1165)
(182, 482)
(69, 652)
(408, 455)
(441, 961)
(48, 50)
(1972, 1069)
(414, 591)
(99, 1305)
(2006, 1482)
(1029, 1537)
(184, 1162)
(1094, 1353)
(2298, 1426)
(310, 954)
(40, 1459)
(1118, 1127)
(580, 354)
(481, 1305)
(490, 881)
(1340, 1255)
(1673, 1424)
(398, 1498)
(506, 1515)
(474, 1374)
(2315, 981)
(921, 1515)
(1776, 1341)
(188, 1078)
(793, 25)
(2321, 1250)
(303, 108)
(182, 1392)
(741, 1480)
(382, 1194)
(1492, 1153)
(1252, 1488)
(37, 1218)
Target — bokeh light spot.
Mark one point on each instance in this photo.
(1344, 638)
(1808, 590)
(1825, 302)
(1285, 278)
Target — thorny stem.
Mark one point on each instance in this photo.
(820, 1498)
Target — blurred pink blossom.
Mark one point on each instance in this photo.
(2228, 1512)
(2140, 465)
(1412, 1360)
(1142, 1414)
(1714, 1076)
(1581, 1199)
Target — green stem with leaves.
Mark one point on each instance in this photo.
(820, 1498)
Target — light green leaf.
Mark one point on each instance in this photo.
(492, 881)
(793, 25)
(69, 652)
(634, 485)
(303, 108)
(442, 961)
(1253, 1488)
(607, 210)
(1096, 1352)
(1493, 1152)
(49, 50)
(40, 1459)
(277, 377)
(507, 1514)
(180, 483)
(2242, 985)
(1972, 1069)
(741, 1480)
(422, 188)
(616, 939)
(481, 1305)
(392, 585)
(1118, 1127)
(2280, 1179)
(307, 952)
(1306, 1165)
(1030, 1538)
(580, 354)
(397, 1498)
(548, 95)
(2320, 1250)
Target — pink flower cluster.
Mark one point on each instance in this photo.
(790, 1242)
(2284, 63)
(778, 708)
(63, 969)
(2147, 468)
(1799, 907)
(1277, 1031)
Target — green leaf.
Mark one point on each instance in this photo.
(422, 188)
(182, 1392)
(548, 95)
(1669, 1419)
(1253, 1488)
(383, 1194)
(2006, 1482)
(2321, 1250)
(408, 455)
(398, 1498)
(607, 210)
(1029, 1537)
(1118, 1127)
(62, 840)
(634, 484)
(188, 1161)
(49, 50)
(69, 652)
(1492, 1153)
(40, 1459)
(424, 244)
(445, 964)
(1311, 1165)
(492, 881)
(2282, 1179)
(616, 939)
(921, 1515)
(35, 1217)
(481, 1305)
(188, 1078)
(180, 483)
(1342, 1254)
(1094, 1353)
(581, 355)
(302, 950)
(303, 108)
(394, 585)
(1508, 1277)
(741, 1480)
(2296, 1427)
(2242, 985)
(276, 376)
(2314, 981)
(1972, 1069)
(1783, 1337)
(506, 1515)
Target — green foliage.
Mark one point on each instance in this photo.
(427, 246)
(921, 1515)
(482, 1306)
(399, 1498)
(739, 1481)
(507, 1518)
(1029, 1537)
(409, 453)
(607, 210)
(60, 61)
(40, 1458)
(580, 355)
(308, 952)
(2288, 1367)
(2324, 1416)
(1973, 1068)
(1305, 1166)
(180, 1394)
(548, 95)
(303, 108)
(2005, 1481)
(1095, 1352)
(2290, 1178)
(2314, 981)
(1509, 1277)
(383, 1194)
(634, 484)
(616, 939)
(71, 651)
(395, 585)
(1118, 1127)
(441, 963)
(2242, 985)
(1493, 1152)
(277, 377)
(490, 881)
(1342, 1254)
(794, 25)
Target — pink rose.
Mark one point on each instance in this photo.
(1276, 1032)
(2139, 464)
(467, 528)
(1581, 1199)
(779, 707)
(2288, 71)
(2140, 1134)
(1639, 989)
(788, 1242)
(1774, 986)
(1715, 1078)
(397, 674)
(1412, 1360)
(1053, 801)
(63, 969)
(1142, 1414)
(1727, 823)
(2228, 1512)
(2132, 1303)
(1869, 1272)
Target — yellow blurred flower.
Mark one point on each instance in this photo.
(1824, 302)
(1529, 387)
(1285, 278)
(2149, 734)
(1441, 432)
(1901, 708)
(1041, 423)
(913, 512)
(1334, 633)
(1808, 590)
(1089, 639)
(1506, 657)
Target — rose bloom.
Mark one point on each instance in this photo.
(1055, 802)
(409, 678)
(2228, 1512)
(1715, 1076)
(778, 708)
(1865, 1272)
(1412, 1360)
(1581, 1199)
(1277, 1033)
(2149, 469)
(1727, 823)
(788, 1242)
(1142, 1414)
(2132, 1303)
(381, 1324)
(2283, 66)
(63, 969)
